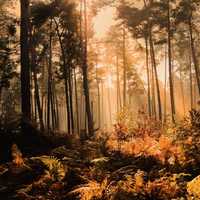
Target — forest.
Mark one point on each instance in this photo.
(99, 99)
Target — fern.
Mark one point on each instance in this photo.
(91, 190)
(55, 168)
(195, 118)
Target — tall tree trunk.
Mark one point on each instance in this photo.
(171, 86)
(165, 87)
(153, 96)
(25, 65)
(76, 100)
(71, 98)
(53, 111)
(49, 92)
(124, 68)
(194, 57)
(34, 101)
(67, 100)
(37, 96)
(148, 77)
(36, 87)
(85, 78)
(118, 85)
(57, 109)
(102, 105)
(65, 75)
(156, 75)
(109, 100)
(191, 83)
(195, 95)
(54, 100)
(98, 96)
(182, 91)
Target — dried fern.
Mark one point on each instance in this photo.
(91, 190)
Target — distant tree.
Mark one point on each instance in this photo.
(7, 50)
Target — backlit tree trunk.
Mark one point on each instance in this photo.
(171, 85)
(85, 77)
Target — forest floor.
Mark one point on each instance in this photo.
(106, 167)
(49, 176)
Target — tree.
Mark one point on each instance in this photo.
(25, 65)
(141, 22)
(170, 62)
(85, 74)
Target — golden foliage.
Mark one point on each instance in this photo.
(193, 187)
(139, 180)
(16, 156)
(164, 188)
(145, 137)
(161, 148)
(90, 190)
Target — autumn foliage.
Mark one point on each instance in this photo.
(146, 138)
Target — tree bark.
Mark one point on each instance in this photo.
(148, 77)
(36, 87)
(124, 68)
(98, 95)
(194, 57)
(156, 75)
(171, 85)
(49, 92)
(85, 78)
(65, 77)
(71, 98)
(76, 100)
(191, 83)
(25, 65)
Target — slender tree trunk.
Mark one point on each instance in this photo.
(124, 68)
(57, 109)
(98, 96)
(65, 74)
(118, 85)
(148, 78)
(109, 101)
(49, 93)
(76, 99)
(85, 78)
(156, 75)
(25, 65)
(70, 98)
(194, 57)
(182, 91)
(153, 109)
(195, 95)
(53, 111)
(36, 87)
(170, 66)
(38, 100)
(102, 104)
(67, 104)
(165, 87)
(191, 83)
(34, 100)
